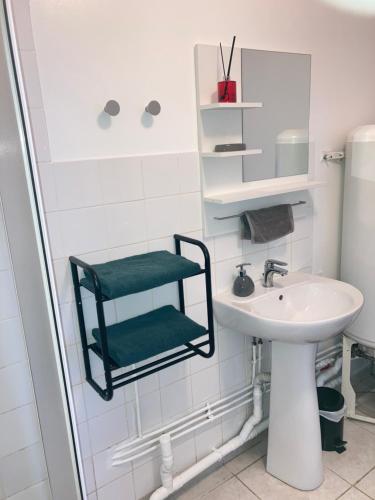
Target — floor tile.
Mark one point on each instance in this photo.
(206, 484)
(248, 457)
(354, 494)
(367, 484)
(268, 487)
(358, 459)
(231, 490)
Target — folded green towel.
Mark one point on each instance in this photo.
(140, 272)
(139, 338)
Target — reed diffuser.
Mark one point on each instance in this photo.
(227, 88)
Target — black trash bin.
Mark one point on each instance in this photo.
(331, 411)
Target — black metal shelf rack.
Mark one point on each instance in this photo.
(101, 347)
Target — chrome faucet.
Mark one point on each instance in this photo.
(271, 268)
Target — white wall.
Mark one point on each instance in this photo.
(138, 50)
(88, 52)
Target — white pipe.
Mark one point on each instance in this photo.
(219, 415)
(119, 461)
(122, 458)
(167, 462)
(323, 363)
(121, 455)
(329, 373)
(170, 426)
(247, 432)
(212, 418)
(254, 363)
(334, 382)
(137, 408)
(334, 349)
(260, 345)
(122, 451)
(196, 469)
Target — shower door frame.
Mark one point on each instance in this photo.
(32, 267)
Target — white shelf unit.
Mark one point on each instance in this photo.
(222, 173)
(231, 105)
(250, 193)
(228, 154)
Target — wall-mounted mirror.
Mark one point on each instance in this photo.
(281, 81)
(254, 145)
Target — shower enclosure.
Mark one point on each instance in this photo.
(37, 428)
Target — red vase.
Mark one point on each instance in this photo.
(227, 91)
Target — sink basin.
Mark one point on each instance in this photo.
(296, 314)
(300, 308)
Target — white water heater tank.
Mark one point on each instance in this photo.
(358, 236)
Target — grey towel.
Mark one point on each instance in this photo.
(267, 224)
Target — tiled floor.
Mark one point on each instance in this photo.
(349, 476)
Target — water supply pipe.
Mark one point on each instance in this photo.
(323, 363)
(252, 427)
(260, 355)
(166, 467)
(254, 360)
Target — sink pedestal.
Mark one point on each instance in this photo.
(294, 442)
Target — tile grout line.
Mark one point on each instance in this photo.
(356, 489)
(114, 203)
(210, 490)
(346, 480)
(359, 480)
(28, 488)
(344, 492)
(256, 461)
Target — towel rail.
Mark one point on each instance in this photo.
(101, 346)
(239, 215)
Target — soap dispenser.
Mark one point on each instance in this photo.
(243, 285)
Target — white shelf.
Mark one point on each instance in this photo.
(227, 154)
(246, 192)
(231, 105)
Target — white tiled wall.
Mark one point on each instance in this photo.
(107, 223)
(23, 472)
(108, 208)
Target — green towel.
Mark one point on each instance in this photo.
(152, 333)
(140, 272)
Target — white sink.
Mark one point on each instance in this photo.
(297, 313)
(299, 308)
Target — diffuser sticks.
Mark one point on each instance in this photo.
(227, 87)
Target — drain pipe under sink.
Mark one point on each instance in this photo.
(252, 427)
